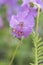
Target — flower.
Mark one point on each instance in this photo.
(29, 10)
(22, 24)
(38, 3)
(12, 8)
(32, 5)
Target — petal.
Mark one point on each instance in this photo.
(29, 21)
(13, 21)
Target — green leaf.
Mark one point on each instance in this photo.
(38, 49)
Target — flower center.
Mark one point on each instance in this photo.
(21, 24)
(17, 32)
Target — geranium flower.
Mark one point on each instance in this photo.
(22, 24)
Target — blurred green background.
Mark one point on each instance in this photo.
(8, 44)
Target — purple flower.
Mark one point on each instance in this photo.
(30, 10)
(12, 4)
(39, 3)
(22, 24)
(30, 5)
(12, 8)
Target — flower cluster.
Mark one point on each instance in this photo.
(21, 17)
(22, 24)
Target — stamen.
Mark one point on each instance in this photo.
(17, 32)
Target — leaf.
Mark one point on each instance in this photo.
(38, 49)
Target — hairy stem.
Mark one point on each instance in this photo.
(14, 54)
(37, 20)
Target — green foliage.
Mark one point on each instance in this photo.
(38, 49)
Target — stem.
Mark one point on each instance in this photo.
(37, 20)
(36, 56)
(14, 54)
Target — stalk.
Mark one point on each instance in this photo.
(14, 54)
(37, 20)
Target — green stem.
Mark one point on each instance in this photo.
(37, 20)
(36, 56)
(14, 54)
